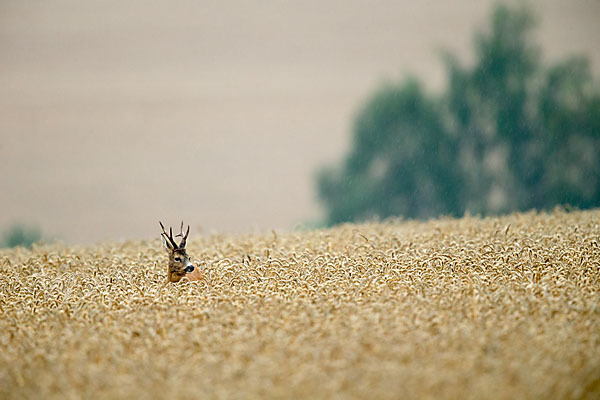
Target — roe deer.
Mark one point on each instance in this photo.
(179, 261)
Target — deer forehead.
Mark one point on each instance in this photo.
(179, 252)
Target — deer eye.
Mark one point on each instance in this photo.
(178, 259)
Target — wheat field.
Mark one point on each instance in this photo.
(470, 308)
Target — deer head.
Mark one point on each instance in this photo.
(179, 262)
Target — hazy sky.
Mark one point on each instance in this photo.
(115, 114)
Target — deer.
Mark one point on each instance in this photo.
(179, 262)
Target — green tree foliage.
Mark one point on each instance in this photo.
(508, 134)
(20, 235)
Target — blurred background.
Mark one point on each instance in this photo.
(250, 116)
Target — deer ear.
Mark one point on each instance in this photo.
(166, 243)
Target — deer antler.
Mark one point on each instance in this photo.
(169, 236)
(182, 244)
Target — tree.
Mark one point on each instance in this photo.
(508, 134)
(20, 235)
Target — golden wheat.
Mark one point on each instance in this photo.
(470, 308)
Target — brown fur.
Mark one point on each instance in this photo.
(179, 261)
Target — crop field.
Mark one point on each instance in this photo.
(501, 308)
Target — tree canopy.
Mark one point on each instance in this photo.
(508, 133)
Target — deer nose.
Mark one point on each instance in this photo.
(189, 268)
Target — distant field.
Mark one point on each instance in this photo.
(498, 308)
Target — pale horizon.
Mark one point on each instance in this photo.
(115, 116)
